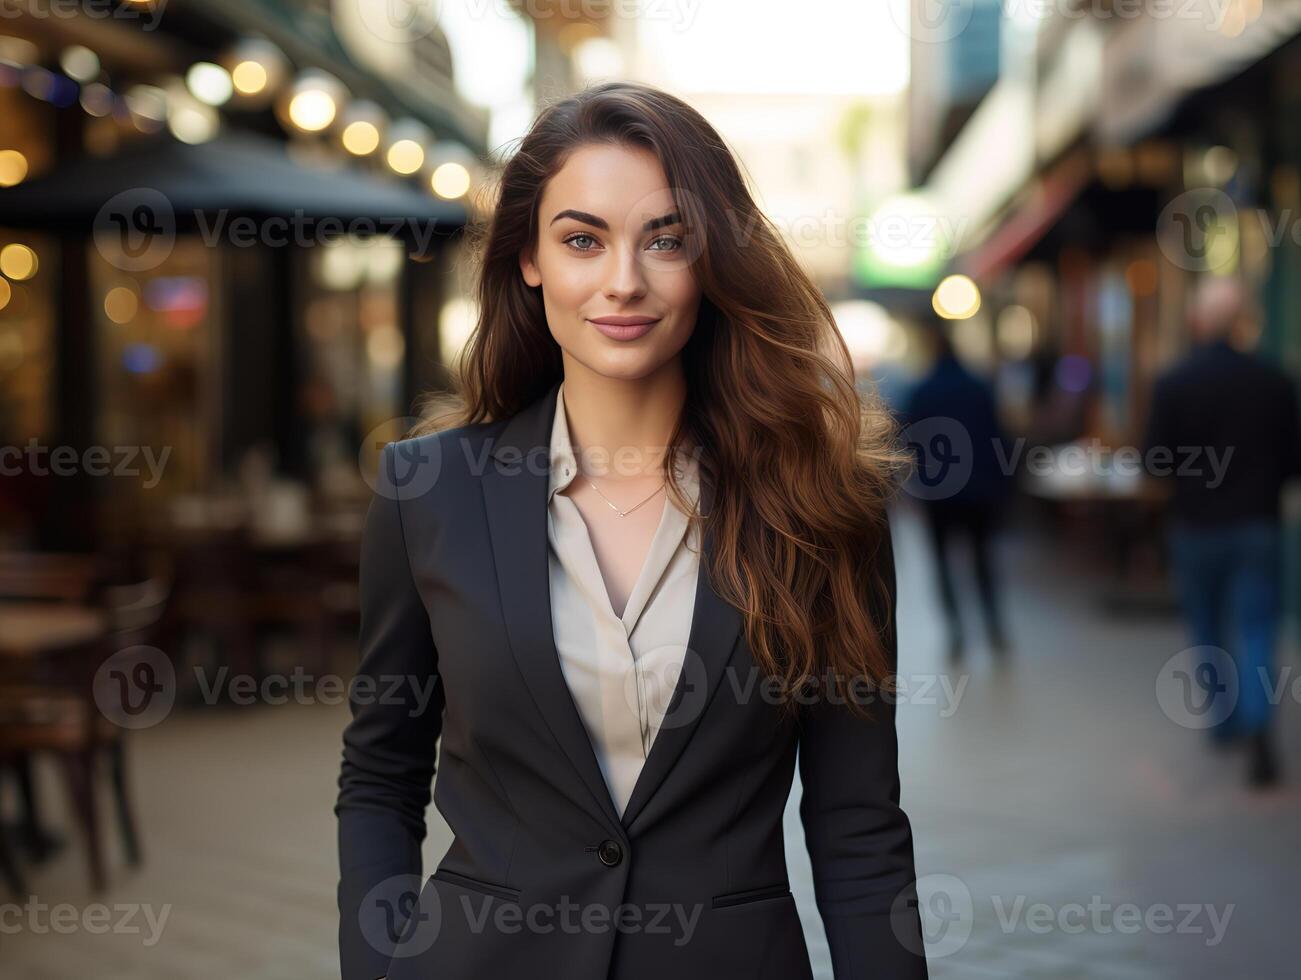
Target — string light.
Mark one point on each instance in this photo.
(97, 99)
(313, 102)
(249, 77)
(957, 297)
(452, 166)
(406, 157)
(406, 149)
(13, 168)
(363, 123)
(253, 71)
(80, 63)
(209, 83)
(148, 107)
(450, 180)
(257, 69)
(18, 262)
(121, 304)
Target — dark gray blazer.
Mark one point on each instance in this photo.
(543, 879)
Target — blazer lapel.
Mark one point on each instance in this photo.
(715, 628)
(515, 494)
(515, 491)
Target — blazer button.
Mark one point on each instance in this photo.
(610, 853)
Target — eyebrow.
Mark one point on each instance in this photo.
(671, 218)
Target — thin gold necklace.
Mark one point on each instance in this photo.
(621, 513)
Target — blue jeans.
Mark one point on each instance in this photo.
(1228, 579)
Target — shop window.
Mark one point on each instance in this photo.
(158, 375)
(353, 349)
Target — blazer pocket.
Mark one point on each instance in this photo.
(732, 899)
(474, 884)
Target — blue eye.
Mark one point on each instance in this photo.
(573, 238)
(673, 240)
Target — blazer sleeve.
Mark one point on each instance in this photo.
(859, 840)
(396, 700)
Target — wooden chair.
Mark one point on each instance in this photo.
(56, 576)
(10, 873)
(215, 582)
(42, 576)
(286, 597)
(53, 709)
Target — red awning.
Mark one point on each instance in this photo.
(1049, 198)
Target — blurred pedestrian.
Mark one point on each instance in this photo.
(1224, 428)
(969, 500)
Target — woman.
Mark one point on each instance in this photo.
(642, 562)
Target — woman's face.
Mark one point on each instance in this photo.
(611, 248)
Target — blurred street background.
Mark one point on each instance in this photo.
(1062, 238)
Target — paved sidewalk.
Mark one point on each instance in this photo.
(1057, 793)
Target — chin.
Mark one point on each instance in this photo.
(623, 365)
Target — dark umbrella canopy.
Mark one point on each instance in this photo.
(162, 181)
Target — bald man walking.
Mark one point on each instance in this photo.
(1222, 404)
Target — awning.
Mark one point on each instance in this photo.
(308, 33)
(1151, 63)
(233, 175)
(1048, 200)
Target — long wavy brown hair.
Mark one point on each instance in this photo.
(801, 463)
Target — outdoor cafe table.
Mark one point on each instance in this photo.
(29, 630)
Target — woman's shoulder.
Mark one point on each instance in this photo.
(439, 462)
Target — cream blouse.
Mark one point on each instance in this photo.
(621, 671)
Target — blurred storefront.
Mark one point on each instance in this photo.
(225, 237)
(1064, 172)
(1120, 155)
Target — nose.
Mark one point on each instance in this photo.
(626, 278)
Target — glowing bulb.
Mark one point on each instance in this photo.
(258, 69)
(956, 298)
(312, 110)
(406, 156)
(80, 63)
(13, 168)
(193, 124)
(249, 78)
(209, 83)
(121, 304)
(361, 138)
(450, 180)
(18, 262)
(97, 99)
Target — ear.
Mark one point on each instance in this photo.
(529, 268)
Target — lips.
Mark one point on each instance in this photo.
(625, 321)
(624, 327)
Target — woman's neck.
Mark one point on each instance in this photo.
(622, 428)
